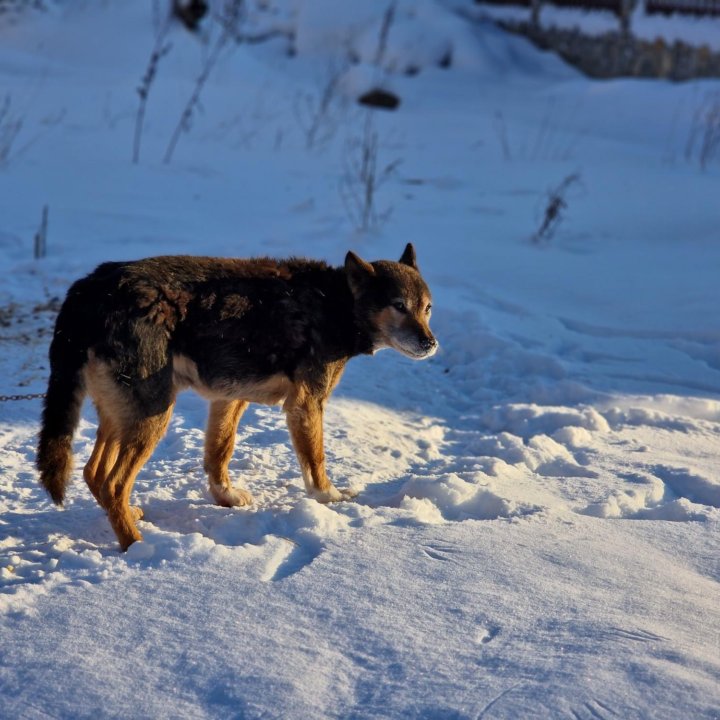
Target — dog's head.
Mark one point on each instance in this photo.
(393, 301)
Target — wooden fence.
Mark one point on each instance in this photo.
(652, 7)
(685, 7)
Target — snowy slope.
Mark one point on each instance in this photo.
(538, 523)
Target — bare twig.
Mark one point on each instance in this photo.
(388, 18)
(40, 244)
(501, 130)
(554, 208)
(314, 112)
(9, 130)
(160, 49)
(363, 178)
(229, 23)
(257, 38)
(705, 131)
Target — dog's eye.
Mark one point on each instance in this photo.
(400, 306)
(428, 309)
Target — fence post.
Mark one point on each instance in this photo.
(40, 245)
(626, 10)
(535, 13)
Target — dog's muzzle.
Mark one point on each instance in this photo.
(428, 344)
(426, 347)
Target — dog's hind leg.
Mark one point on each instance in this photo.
(219, 443)
(101, 459)
(135, 445)
(305, 422)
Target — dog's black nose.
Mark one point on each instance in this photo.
(428, 343)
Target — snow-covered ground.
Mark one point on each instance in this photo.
(537, 530)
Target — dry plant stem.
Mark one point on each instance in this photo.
(159, 51)
(40, 246)
(710, 144)
(317, 113)
(229, 30)
(501, 131)
(544, 132)
(535, 7)
(388, 18)
(359, 186)
(187, 113)
(362, 179)
(705, 131)
(260, 37)
(553, 210)
(368, 170)
(9, 130)
(692, 135)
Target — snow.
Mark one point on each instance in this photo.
(537, 527)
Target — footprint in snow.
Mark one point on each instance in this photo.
(486, 633)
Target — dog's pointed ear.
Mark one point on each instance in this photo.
(408, 257)
(357, 270)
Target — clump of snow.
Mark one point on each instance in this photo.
(418, 35)
(675, 494)
(691, 484)
(457, 498)
(630, 502)
(529, 420)
(574, 437)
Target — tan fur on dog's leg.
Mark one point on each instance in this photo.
(219, 443)
(135, 447)
(102, 460)
(106, 464)
(90, 471)
(305, 422)
(103, 457)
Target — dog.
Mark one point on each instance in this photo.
(237, 331)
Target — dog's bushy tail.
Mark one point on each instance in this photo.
(63, 402)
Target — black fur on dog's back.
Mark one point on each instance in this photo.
(210, 308)
(233, 318)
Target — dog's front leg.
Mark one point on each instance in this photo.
(219, 443)
(305, 421)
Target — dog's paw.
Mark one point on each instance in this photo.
(136, 512)
(333, 495)
(229, 496)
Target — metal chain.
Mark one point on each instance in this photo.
(31, 396)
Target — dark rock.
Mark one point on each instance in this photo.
(190, 13)
(379, 98)
(445, 61)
